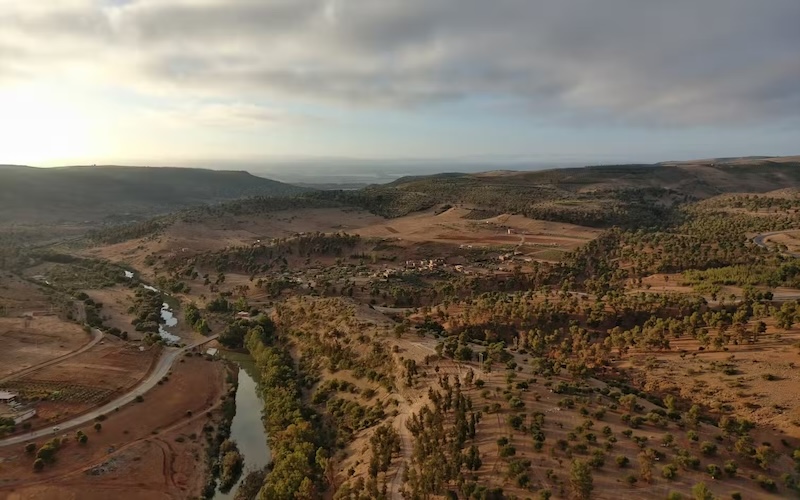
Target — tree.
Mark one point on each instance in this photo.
(580, 479)
(38, 465)
(646, 466)
(701, 492)
(98, 426)
(764, 456)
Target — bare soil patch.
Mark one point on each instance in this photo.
(153, 449)
(19, 296)
(31, 341)
(84, 381)
(452, 227)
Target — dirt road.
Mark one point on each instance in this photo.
(161, 369)
(760, 240)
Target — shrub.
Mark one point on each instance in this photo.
(766, 483)
(622, 461)
(669, 471)
(30, 448)
(38, 465)
(508, 451)
(708, 448)
(701, 492)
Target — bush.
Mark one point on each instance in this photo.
(30, 448)
(701, 492)
(766, 483)
(508, 451)
(708, 448)
(669, 471)
(38, 465)
(622, 461)
(139, 398)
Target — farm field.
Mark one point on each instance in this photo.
(19, 296)
(82, 382)
(153, 449)
(455, 227)
(28, 342)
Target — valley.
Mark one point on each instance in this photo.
(611, 331)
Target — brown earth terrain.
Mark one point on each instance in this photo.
(30, 341)
(540, 239)
(83, 381)
(790, 239)
(153, 449)
(548, 466)
(18, 296)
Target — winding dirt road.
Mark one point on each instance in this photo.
(760, 240)
(161, 369)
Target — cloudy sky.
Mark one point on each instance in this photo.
(170, 81)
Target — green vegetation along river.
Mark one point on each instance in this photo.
(247, 429)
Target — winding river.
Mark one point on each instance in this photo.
(247, 429)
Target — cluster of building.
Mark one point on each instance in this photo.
(11, 408)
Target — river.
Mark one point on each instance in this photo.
(247, 429)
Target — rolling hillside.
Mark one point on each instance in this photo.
(626, 195)
(109, 193)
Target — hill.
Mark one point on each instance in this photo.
(117, 193)
(625, 195)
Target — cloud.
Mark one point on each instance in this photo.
(234, 115)
(716, 62)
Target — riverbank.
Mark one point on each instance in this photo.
(247, 428)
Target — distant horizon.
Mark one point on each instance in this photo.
(363, 171)
(489, 159)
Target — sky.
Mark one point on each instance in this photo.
(207, 81)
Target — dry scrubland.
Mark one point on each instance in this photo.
(635, 344)
(536, 238)
(579, 421)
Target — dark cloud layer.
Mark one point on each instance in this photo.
(676, 62)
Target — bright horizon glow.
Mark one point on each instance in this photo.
(172, 82)
(35, 128)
